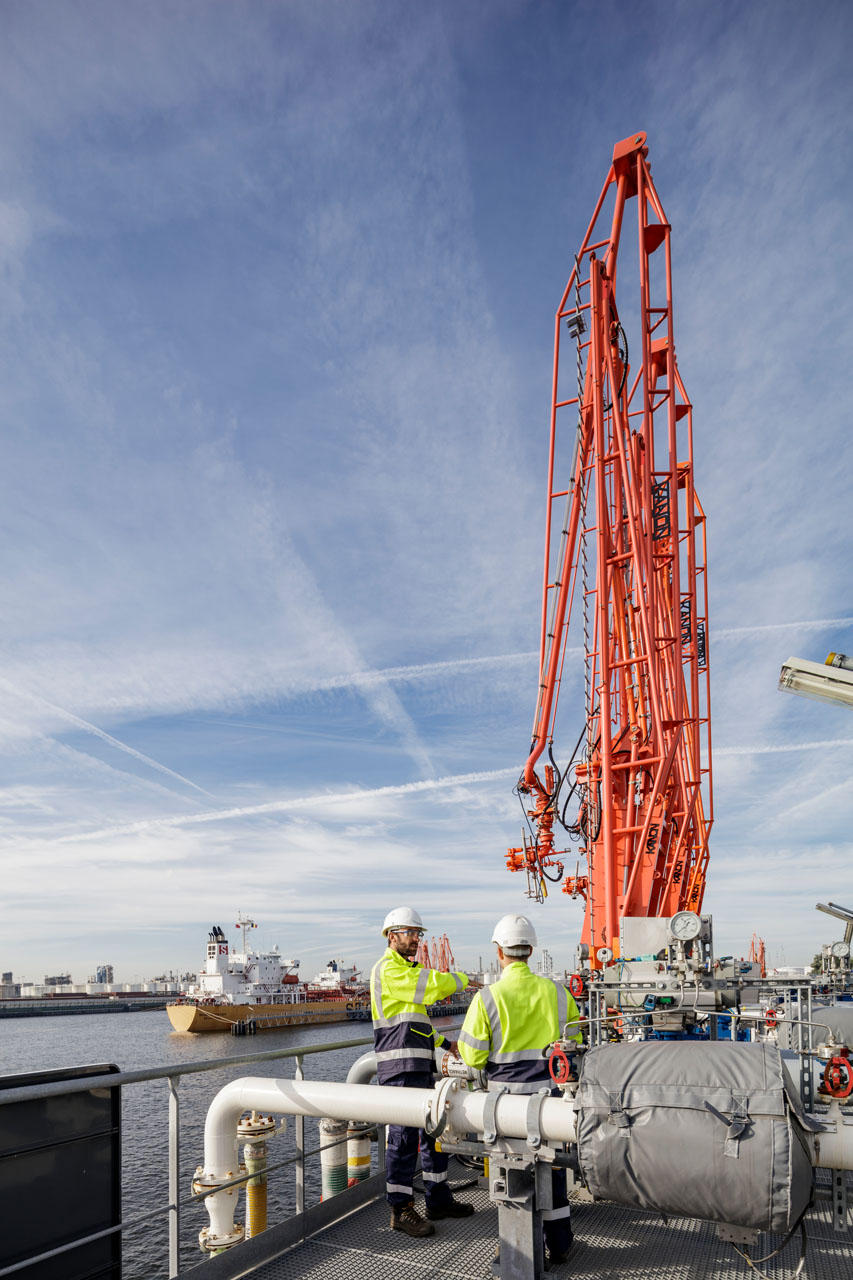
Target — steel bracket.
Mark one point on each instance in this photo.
(490, 1131)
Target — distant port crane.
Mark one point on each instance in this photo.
(625, 559)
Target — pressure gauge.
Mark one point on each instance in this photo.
(841, 950)
(604, 954)
(685, 926)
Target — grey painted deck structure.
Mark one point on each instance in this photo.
(611, 1243)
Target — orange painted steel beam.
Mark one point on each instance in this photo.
(631, 547)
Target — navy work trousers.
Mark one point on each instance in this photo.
(401, 1154)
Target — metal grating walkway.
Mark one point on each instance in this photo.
(611, 1243)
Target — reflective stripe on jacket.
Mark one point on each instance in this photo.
(509, 1023)
(403, 1035)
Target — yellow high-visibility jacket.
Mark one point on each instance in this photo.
(511, 1022)
(403, 1035)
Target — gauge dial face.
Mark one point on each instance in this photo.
(685, 926)
(841, 950)
(604, 954)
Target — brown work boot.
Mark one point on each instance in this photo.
(406, 1218)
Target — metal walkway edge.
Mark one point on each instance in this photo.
(611, 1243)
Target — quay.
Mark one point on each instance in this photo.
(94, 1004)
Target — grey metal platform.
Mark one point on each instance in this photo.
(610, 1242)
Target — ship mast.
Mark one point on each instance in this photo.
(244, 924)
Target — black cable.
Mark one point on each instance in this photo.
(561, 817)
(751, 1262)
(552, 799)
(623, 356)
(517, 792)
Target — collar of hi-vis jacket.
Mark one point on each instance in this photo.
(517, 974)
(414, 1010)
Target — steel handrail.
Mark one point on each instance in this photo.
(31, 1093)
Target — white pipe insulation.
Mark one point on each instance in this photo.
(377, 1104)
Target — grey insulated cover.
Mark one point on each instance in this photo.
(837, 1018)
(700, 1129)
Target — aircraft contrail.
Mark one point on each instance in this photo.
(323, 799)
(79, 723)
(317, 801)
(424, 670)
(787, 746)
(817, 624)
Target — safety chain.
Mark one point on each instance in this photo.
(587, 681)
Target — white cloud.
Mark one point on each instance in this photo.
(276, 350)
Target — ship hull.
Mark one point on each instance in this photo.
(266, 1017)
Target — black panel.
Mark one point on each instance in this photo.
(60, 1177)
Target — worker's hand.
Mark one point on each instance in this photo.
(450, 1046)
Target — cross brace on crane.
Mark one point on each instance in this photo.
(630, 555)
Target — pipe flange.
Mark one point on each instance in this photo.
(255, 1129)
(210, 1181)
(210, 1243)
(435, 1120)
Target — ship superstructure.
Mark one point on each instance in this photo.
(244, 976)
(254, 990)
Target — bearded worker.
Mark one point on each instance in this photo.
(405, 1043)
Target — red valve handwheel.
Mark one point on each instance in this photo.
(771, 1018)
(564, 1069)
(576, 984)
(838, 1078)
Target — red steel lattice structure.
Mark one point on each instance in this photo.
(439, 956)
(758, 954)
(630, 556)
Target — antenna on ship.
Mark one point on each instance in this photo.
(244, 924)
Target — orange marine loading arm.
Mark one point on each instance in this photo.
(630, 556)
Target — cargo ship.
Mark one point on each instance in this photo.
(250, 990)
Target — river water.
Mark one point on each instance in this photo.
(145, 1039)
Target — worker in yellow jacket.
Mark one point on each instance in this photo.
(507, 1030)
(405, 1042)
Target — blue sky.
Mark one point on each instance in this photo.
(276, 323)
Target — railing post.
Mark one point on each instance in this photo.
(299, 1122)
(174, 1179)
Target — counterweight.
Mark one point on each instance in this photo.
(625, 548)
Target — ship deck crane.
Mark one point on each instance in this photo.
(625, 550)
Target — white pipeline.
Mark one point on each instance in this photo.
(378, 1104)
(465, 1112)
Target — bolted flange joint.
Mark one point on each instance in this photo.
(255, 1128)
(208, 1240)
(209, 1243)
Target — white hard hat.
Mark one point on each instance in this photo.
(514, 931)
(401, 918)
